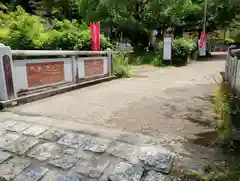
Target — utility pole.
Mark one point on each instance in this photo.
(205, 16)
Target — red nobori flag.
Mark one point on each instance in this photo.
(95, 34)
(203, 39)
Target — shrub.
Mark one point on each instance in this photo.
(181, 49)
(121, 67)
(229, 41)
(25, 31)
(146, 58)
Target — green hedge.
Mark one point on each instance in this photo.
(181, 50)
(24, 31)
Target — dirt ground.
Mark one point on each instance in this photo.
(156, 102)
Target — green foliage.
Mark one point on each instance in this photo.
(229, 41)
(222, 107)
(134, 19)
(146, 58)
(121, 68)
(237, 38)
(233, 174)
(181, 49)
(26, 31)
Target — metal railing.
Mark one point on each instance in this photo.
(55, 52)
(232, 67)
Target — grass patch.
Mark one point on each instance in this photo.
(121, 68)
(232, 175)
(149, 58)
(223, 108)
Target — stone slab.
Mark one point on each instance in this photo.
(21, 145)
(66, 160)
(158, 159)
(19, 127)
(53, 134)
(97, 145)
(4, 156)
(57, 176)
(156, 176)
(45, 151)
(9, 169)
(35, 130)
(68, 178)
(73, 140)
(125, 151)
(7, 139)
(7, 124)
(92, 167)
(125, 171)
(32, 174)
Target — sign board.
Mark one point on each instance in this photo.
(167, 48)
(202, 51)
(93, 67)
(44, 73)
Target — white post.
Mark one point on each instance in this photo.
(74, 69)
(110, 61)
(7, 90)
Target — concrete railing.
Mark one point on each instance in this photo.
(232, 68)
(29, 74)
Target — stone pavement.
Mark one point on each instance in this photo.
(34, 152)
(124, 130)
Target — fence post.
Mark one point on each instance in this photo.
(7, 90)
(74, 69)
(110, 61)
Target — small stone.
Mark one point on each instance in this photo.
(156, 176)
(97, 145)
(31, 174)
(66, 160)
(53, 134)
(125, 151)
(21, 145)
(45, 151)
(8, 123)
(4, 156)
(8, 139)
(73, 140)
(92, 167)
(9, 169)
(125, 171)
(19, 127)
(157, 159)
(35, 130)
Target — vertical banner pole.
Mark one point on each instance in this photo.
(95, 36)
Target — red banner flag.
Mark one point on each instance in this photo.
(203, 39)
(95, 34)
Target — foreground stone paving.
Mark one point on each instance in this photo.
(31, 152)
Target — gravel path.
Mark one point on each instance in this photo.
(173, 101)
(126, 129)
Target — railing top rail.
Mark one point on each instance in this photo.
(235, 52)
(55, 52)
